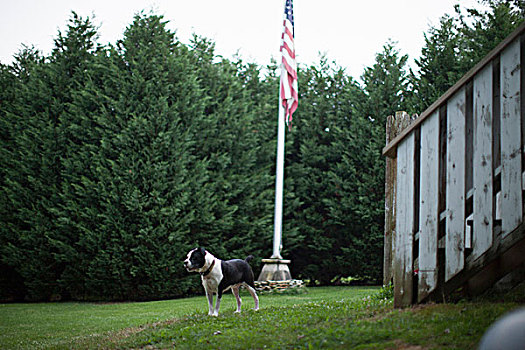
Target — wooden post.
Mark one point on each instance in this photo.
(394, 126)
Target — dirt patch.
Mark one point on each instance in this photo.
(128, 332)
(401, 345)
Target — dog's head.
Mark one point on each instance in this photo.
(195, 260)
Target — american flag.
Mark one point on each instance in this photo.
(288, 95)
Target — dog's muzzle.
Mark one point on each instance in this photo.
(188, 266)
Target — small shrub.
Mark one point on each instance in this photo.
(386, 292)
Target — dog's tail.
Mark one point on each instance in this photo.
(249, 258)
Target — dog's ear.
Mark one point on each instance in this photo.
(202, 251)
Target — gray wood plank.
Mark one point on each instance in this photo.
(482, 235)
(404, 235)
(428, 206)
(511, 195)
(455, 222)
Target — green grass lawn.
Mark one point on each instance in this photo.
(54, 324)
(327, 317)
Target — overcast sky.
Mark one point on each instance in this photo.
(350, 32)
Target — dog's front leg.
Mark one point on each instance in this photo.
(209, 296)
(217, 303)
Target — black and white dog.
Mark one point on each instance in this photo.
(218, 276)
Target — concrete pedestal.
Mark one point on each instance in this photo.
(275, 270)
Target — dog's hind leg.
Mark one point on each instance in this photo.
(235, 291)
(254, 295)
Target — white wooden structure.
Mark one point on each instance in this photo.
(460, 183)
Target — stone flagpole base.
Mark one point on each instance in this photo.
(275, 270)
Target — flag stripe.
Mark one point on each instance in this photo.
(289, 51)
(288, 91)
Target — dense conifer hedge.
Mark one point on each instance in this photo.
(116, 160)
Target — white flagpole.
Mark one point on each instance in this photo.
(276, 268)
(279, 180)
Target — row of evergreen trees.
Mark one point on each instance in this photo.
(116, 160)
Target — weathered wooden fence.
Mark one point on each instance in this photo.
(459, 181)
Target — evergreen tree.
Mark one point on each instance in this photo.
(37, 248)
(385, 84)
(145, 167)
(481, 31)
(384, 88)
(74, 62)
(439, 65)
(31, 178)
(11, 282)
(328, 97)
(456, 44)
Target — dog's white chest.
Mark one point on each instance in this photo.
(211, 284)
(211, 281)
